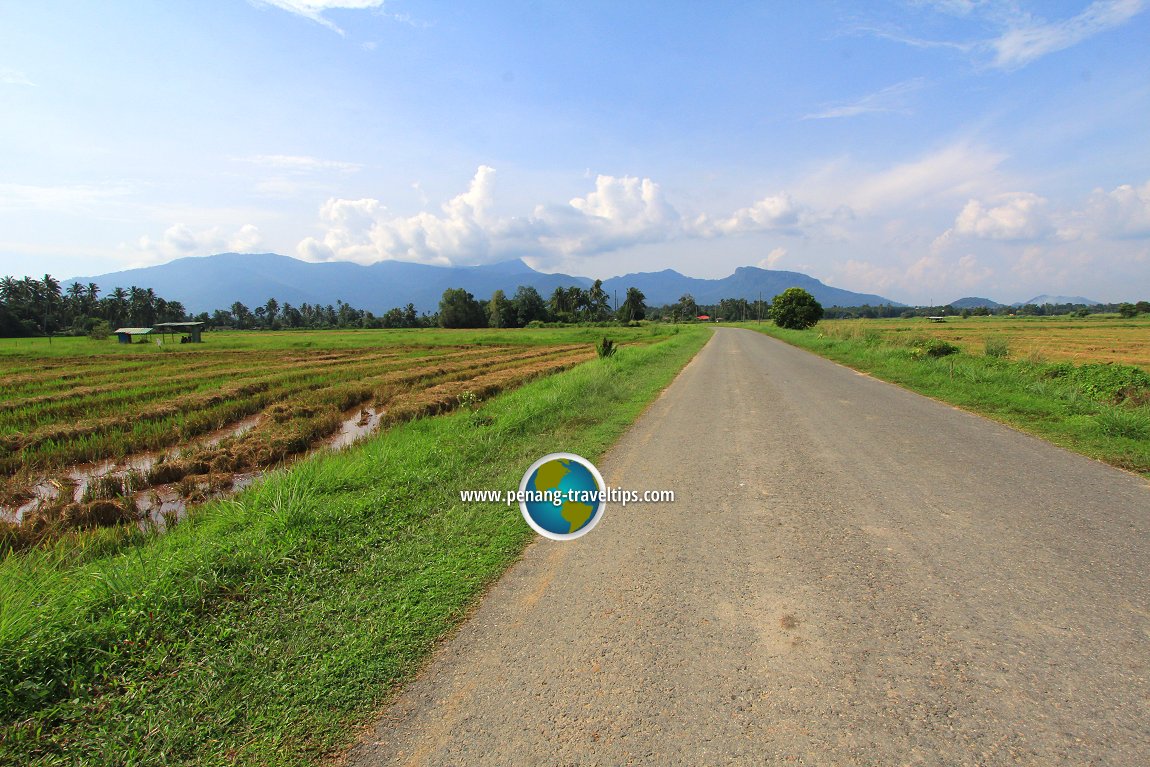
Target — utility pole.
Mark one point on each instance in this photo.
(759, 309)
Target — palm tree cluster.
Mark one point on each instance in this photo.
(39, 307)
(574, 304)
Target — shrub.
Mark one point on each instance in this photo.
(932, 347)
(1104, 381)
(606, 348)
(100, 331)
(998, 347)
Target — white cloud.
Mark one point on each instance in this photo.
(1019, 38)
(777, 212)
(180, 240)
(57, 198)
(957, 171)
(773, 258)
(314, 9)
(1123, 212)
(1030, 39)
(10, 76)
(300, 163)
(1013, 216)
(890, 99)
(620, 212)
(935, 277)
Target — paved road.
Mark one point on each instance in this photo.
(852, 574)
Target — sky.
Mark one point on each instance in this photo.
(924, 150)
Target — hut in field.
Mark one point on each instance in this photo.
(189, 332)
(128, 335)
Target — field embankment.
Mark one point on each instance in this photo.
(1061, 387)
(263, 628)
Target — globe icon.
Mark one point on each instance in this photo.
(563, 496)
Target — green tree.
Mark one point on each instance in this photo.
(459, 309)
(686, 308)
(500, 312)
(529, 305)
(796, 309)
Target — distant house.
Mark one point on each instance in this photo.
(937, 319)
(128, 335)
(704, 318)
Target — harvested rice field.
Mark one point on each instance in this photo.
(94, 434)
(1104, 338)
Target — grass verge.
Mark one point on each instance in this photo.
(1088, 408)
(264, 628)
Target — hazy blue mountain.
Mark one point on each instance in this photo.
(215, 282)
(974, 302)
(749, 282)
(1045, 299)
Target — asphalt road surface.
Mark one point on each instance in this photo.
(851, 574)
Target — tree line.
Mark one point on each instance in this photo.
(30, 307)
(460, 309)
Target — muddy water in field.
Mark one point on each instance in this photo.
(161, 504)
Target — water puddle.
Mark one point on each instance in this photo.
(360, 423)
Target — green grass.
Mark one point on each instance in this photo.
(265, 628)
(1081, 407)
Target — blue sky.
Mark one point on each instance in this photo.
(921, 150)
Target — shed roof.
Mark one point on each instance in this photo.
(134, 331)
(177, 324)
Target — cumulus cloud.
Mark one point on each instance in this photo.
(1013, 216)
(180, 240)
(621, 211)
(314, 9)
(1123, 212)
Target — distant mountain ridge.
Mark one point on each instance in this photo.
(205, 283)
(975, 302)
(1045, 299)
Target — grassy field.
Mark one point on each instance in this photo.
(265, 628)
(1081, 384)
(1037, 339)
(198, 414)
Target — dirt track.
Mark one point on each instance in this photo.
(851, 574)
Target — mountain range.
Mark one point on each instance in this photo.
(974, 302)
(214, 282)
